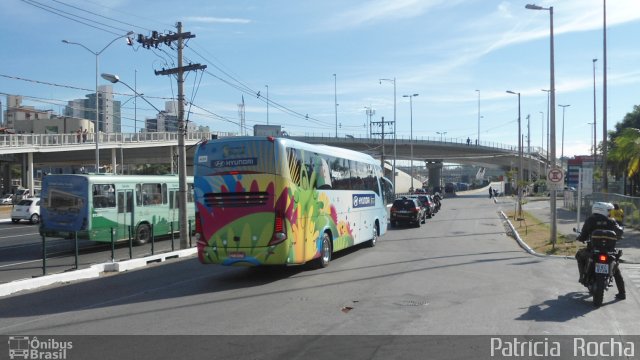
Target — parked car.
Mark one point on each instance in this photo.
(407, 210)
(26, 209)
(427, 203)
(6, 199)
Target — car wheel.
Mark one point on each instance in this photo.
(35, 218)
(15, 221)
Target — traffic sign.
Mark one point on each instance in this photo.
(555, 179)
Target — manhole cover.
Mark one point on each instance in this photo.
(411, 301)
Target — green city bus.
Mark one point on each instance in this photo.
(99, 207)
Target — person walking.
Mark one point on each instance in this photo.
(490, 192)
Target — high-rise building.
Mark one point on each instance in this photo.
(167, 120)
(110, 119)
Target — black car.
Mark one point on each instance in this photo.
(407, 210)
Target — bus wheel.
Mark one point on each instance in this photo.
(325, 252)
(143, 234)
(374, 239)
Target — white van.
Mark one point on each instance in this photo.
(25, 194)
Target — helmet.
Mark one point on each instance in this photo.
(602, 208)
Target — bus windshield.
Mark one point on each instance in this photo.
(253, 156)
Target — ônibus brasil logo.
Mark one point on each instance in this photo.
(32, 348)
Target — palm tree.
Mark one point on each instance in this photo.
(626, 153)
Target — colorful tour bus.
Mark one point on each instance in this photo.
(277, 201)
(95, 205)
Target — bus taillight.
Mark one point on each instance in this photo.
(279, 230)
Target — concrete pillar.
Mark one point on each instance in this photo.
(435, 173)
(30, 182)
(5, 170)
(114, 161)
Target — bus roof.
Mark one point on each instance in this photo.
(319, 148)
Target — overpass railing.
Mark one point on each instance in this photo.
(8, 141)
(407, 139)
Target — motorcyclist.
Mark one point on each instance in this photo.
(600, 219)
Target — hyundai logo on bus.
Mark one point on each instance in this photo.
(363, 200)
(234, 162)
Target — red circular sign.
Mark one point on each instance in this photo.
(556, 176)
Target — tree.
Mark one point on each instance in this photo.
(625, 155)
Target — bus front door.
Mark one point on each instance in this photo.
(125, 214)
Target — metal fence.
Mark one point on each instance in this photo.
(629, 204)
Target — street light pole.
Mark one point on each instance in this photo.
(562, 151)
(478, 140)
(97, 123)
(441, 133)
(395, 137)
(520, 168)
(411, 138)
(605, 179)
(552, 109)
(335, 99)
(267, 86)
(595, 151)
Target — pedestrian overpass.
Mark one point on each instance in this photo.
(115, 149)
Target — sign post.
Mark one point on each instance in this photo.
(555, 182)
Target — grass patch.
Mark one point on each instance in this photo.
(537, 235)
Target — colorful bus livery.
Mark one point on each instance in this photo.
(101, 207)
(277, 201)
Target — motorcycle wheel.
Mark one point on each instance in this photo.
(598, 291)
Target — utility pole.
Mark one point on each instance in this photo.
(381, 123)
(154, 41)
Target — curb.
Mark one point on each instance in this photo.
(92, 272)
(524, 245)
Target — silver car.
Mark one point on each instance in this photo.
(6, 199)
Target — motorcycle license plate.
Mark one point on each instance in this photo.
(602, 268)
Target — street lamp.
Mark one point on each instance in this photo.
(552, 109)
(394, 131)
(478, 140)
(520, 181)
(441, 133)
(116, 79)
(97, 123)
(411, 139)
(562, 151)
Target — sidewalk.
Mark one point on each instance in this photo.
(566, 221)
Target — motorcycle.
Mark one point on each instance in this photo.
(602, 263)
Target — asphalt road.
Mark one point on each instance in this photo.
(457, 274)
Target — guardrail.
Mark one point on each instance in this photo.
(58, 140)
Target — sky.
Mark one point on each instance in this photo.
(459, 56)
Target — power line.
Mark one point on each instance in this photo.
(61, 13)
(98, 15)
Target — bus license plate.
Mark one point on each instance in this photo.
(602, 268)
(236, 255)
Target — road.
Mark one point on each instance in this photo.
(21, 251)
(457, 274)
